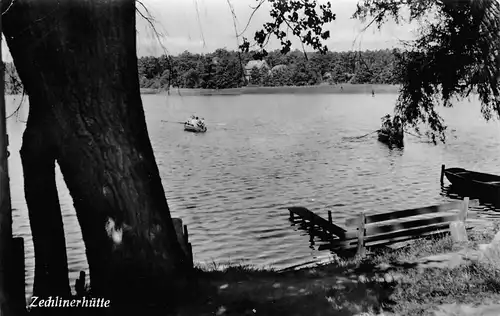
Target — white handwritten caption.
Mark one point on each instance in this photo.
(60, 302)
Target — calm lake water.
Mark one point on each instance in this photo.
(264, 153)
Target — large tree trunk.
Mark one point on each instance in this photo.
(38, 156)
(79, 58)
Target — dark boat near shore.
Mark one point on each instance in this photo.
(474, 183)
(391, 132)
(391, 137)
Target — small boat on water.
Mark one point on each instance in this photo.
(391, 132)
(391, 138)
(474, 183)
(195, 125)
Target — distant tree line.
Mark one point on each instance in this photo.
(228, 69)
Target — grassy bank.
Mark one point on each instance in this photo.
(319, 89)
(352, 287)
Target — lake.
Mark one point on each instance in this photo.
(264, 153)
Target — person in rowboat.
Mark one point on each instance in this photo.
(387, 123)
(398, 126)
(190, 120)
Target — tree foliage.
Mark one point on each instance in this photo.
(456, 53)
(306, 20)
(199, 71)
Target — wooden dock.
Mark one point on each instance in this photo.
(382, 229)
(317, 221)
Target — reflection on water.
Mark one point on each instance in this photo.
(486, 208)
(264, 153)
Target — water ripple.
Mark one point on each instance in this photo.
(263, 154)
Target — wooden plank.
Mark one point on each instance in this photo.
(462, 216)
(314, 219)
(442, 174)
(375, 230)
(404, 243)
(407, 238)
(405, 213)
(180, 235)
(186, 234)
(458, 232)
(190, 255)
(321, 234)
(369, 244)
(80, 284)
(360, 252)
(392, 235)
(408, 232)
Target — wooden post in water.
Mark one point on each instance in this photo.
(186, 235)
(188, 246)
(180, 235)
(331, 222)
(360, 252)
(442, 174)
(7, 305)
(80, 284)
(190, 255)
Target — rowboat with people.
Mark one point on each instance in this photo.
(195, 125)
(391, 131)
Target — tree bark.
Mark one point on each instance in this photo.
(38, 157)
(79, 57)
(7, 298)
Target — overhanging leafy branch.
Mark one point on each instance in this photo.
(305, 18)
(456, 53)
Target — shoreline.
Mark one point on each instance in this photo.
(428, 276)
(317, 89)
(407, 281)
(346, 88)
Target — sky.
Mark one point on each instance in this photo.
(202, 26)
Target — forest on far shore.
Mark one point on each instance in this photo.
(231, 69)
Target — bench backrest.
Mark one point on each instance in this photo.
(376, 229)
(382, 217)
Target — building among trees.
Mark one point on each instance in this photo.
(259, 64)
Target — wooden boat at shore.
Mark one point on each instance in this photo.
(474, 183)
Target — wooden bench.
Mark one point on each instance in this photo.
(394, 227)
